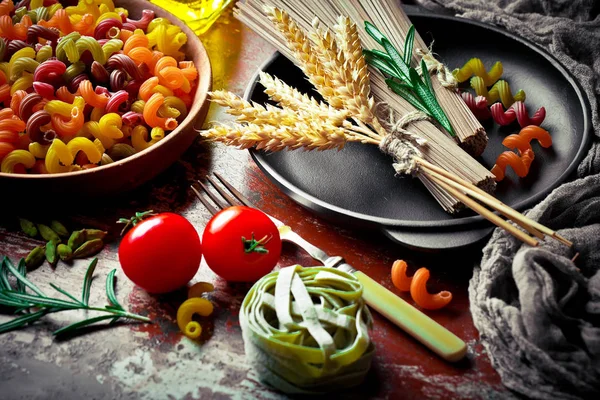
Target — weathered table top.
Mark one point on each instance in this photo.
(155, 361)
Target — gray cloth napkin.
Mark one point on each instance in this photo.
(538, 313)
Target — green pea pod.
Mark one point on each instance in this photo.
(89, 248)
(64, 252)
(47, 233)
(28, 227)
(94, 234)
(59, 228)
(36, 257)
(51, 252)
(76, 239)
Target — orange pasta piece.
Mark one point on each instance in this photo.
(399, 278)
(535, 132)
(125, 34)
(5, 94)
(10, 124)
(14, 32)
(63, 94)
(59, 20)
(519, 164)
(6, 7)
(3, 79)
(171, 77)
(151, 113)
(15, 100)
(147, 88)
(86, 25)
(135, 40)
(6, 113)
(185, 97)
(9, 136)
(517, 142)
(419, 293)
(190, 73)
(164, 62)
(141, 55)
(91, 97)
(68, 127)
(6, 148)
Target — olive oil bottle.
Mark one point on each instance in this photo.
(199, 15)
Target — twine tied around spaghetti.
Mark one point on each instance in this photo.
(400, 143)
(444, 75)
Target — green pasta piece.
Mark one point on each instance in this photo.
(73, 70)
(306, 330)
(44, 53)
(111, 47)
(22, 64)
(90, 44)
(53, 9)
(60, 47)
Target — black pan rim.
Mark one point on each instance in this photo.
(330, 210)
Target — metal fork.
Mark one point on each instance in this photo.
(420, 326)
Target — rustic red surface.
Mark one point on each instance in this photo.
(154, 360)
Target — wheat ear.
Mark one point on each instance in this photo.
(306, 56)
(251, 112)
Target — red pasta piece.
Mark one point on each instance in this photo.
(477, 105)
(517, 111)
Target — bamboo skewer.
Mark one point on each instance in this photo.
(494, 202)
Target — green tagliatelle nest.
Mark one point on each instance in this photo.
(306, 330)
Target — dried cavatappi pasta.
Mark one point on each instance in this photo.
(85, 85)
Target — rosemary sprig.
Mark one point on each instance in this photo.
(403, 79)
(34, 306)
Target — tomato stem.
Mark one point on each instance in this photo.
(256, 246)
(133, 221)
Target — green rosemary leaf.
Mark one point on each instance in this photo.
(9, 302)
(87, 282)
(4, 282)
(41, 301)
(110, 291)
(430, 102)
(65, 293)
(19, 322)
(23, 271)
(406, 93)
(426, 76)
(379, 54)
(381, 65)
(397, 61)
(22, 278)
(81, 324)
(408, 45)
(373, 32)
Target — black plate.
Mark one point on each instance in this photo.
(357, 185)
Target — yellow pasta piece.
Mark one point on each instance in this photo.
(23, 83)
(96, 114)
(195, 305)
(78, 144)
(59, 158)
(139, 137)
(110, 125)
(16, 157)
(38, 150)
(92, 129)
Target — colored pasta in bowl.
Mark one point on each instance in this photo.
(94, 87)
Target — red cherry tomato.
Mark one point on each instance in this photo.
(161, 253)
(241, 244)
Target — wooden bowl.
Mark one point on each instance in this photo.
(132, 171)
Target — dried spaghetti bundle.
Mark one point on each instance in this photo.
(306, 330)
(332, 59)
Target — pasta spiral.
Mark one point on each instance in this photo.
(87, 80)
(500, 91)
(517, 111)
(475, 67)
